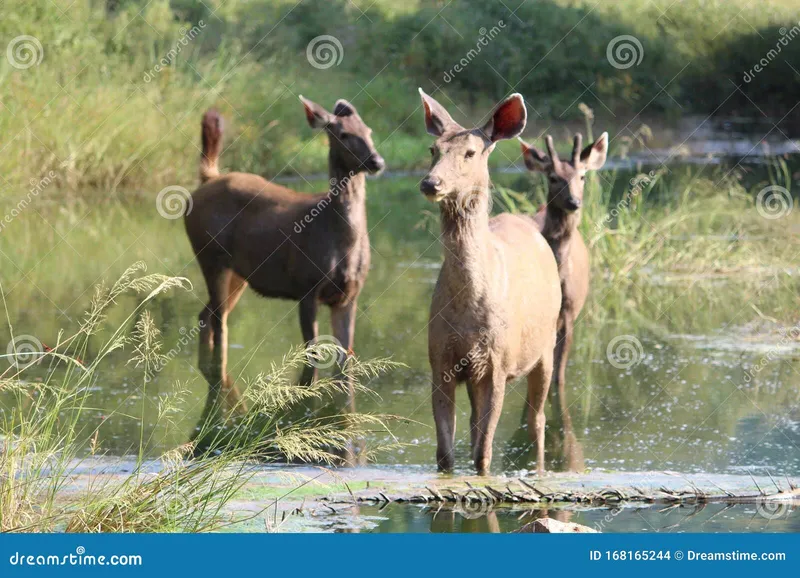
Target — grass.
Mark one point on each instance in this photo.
(45, 439)
(98, 115)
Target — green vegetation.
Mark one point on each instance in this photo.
(49, 430)
(98, 113)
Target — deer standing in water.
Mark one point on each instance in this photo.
(558, 222)
(495, 306)
(313, 249)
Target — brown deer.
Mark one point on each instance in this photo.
(313, 249)
(495, 306)
(559, 221)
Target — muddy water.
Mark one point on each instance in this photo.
(674, 374)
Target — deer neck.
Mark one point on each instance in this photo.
(468, 270)
(348, 193)
(559, 228)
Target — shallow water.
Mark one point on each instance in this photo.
(712, 518)
(699, 396)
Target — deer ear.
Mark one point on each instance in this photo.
(437, 119)
(317, 116)
(508, 120)
(343, 108)
(535, 159)
(594, 155)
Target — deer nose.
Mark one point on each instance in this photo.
(376, 163)
(430, 185)
(573, 203)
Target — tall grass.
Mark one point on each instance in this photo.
(97, 113)
(45, 442)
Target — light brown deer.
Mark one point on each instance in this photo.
(495, 306)
(559, 221)
(313, 249)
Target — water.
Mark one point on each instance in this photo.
(692, 402)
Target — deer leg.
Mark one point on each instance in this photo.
(236, 287)
(309, 327)
(343, 321)
(444, 414)
(489, 394)
(538, 386)
(558, 394)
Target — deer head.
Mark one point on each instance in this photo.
(566, 179)
(460, 157)
(350, 139)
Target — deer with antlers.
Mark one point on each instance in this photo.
(558, 222)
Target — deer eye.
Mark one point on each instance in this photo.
(469, 154)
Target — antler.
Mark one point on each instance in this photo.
(551, 150)
(576, 149)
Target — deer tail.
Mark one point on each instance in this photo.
(212, 145)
